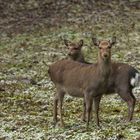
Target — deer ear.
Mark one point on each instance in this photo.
(81, 43)
(66, 42)
(95, 42)
(113, 40)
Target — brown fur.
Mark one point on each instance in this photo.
(81, 80)
(119, 82)
(74, 50)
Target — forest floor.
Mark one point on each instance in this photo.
(32, 39)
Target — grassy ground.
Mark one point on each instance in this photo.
(26, 92)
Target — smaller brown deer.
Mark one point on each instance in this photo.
(74, 50)
(75, 53)
(82, 80)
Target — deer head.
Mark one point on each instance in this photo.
(105, 48)
(73, 48)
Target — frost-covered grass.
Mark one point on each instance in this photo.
(26, 97)
(26, 92)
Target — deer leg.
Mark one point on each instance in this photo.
(88, 101)
(129, 98)
(91, 114)
(55, 109)
(131, 106)
(84, 112)
(96, 101)
(61, 97)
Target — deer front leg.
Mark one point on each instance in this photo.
(55, 109)
(84, 111)
(96, 101)
(61, 97)
(88, 101)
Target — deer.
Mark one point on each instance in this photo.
(122, 80)
(75, 53)
(81, 80)
(74, 50)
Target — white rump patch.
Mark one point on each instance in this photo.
(135, 81)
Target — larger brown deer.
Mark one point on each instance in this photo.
(122, 80)
(82, 80)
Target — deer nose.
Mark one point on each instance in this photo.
(105, 55)
(69, 53)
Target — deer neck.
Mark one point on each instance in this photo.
(79, 57)
(104, 67)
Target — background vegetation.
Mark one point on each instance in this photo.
(32, 33)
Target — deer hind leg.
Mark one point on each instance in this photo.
(129, 98)
(96, 102)
(131, 106)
